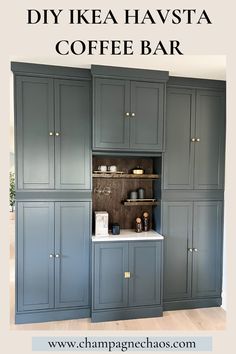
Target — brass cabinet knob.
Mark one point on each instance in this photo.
(51, 133)
(133, 114)
(51, 255)
(198, 139)
(57, 134)
(193, 139)
(127, 275)
(190, 250)
(127, 114)
(57, 255)
(195, 249)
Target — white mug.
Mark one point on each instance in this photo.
(102, 168)
(113, 168)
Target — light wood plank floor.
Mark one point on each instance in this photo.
(213, 318)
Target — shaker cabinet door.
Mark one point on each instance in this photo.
(35, 256)
(207, 243)
(110, 120)
(146, 116)
(177, 230)
(180, 125)
(72, 235)
(34, 133)
(110, 285)
(145, 265)
(72, 134)
(209, 151)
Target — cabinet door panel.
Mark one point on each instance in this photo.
(210, 129)
(73, 144)
(179, 153)
(110, 286)
(34, 122)
(177, 229)
(207, 239)
(111, 103)
(35, 269)
(147, 103)
(145, 265)
(72, 245)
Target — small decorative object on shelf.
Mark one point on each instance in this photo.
(141, 193)
(115, 229)
(138, 225)
(146, 221)
(133, 195)
(138, 171)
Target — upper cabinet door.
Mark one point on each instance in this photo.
(146, 116)
(111, 114)
(180, 126)
(210, 129)
(72, 134)
(207, 246)
(34, 123)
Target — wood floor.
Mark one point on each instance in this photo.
(211, 319)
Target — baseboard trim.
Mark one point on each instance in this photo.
(191, 304)
(47, 316)
(126, 313)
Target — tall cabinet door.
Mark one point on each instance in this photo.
(147, 114)
(72, 134)
(177, 229)
(72, 234)
(145, 265)
(207, 243)
(34, 123)
(110, 286)
(111, 106)
(210, 129)
(35, 256)
(180, 127)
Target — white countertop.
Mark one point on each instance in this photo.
(130, 235)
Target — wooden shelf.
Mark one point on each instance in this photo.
(125, 175)
(140, 202)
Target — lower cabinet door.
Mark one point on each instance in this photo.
(110, 285)
(145, 266)
(35, 261)
(177, 230)
(207, 246)
(72, 234)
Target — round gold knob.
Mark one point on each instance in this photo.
(193, 140)
(133, 114)
(57, 134)
(51, 133)
(127, 114)
(198, 140)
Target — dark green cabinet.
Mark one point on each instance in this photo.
(110, 286)
(35, 265)
(52, 133)
(126, 280)
(128, 115)
(195, 133)
(34, 120)
(52, 257)
(192, 251)
(145, 264)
